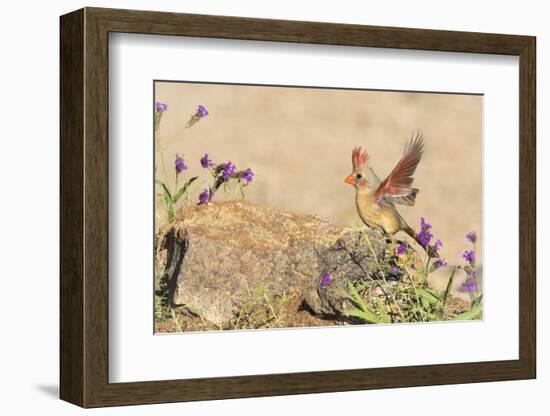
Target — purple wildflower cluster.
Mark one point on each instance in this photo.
(248, 175)
(471, 237)
(469, 256)
(206, 162)
(470, 284)
(425, 235)
(228, 170)
(161, 107)
(179, 164)
(325, 280)
(205, 196)
(402, 248)
(438, 263)
(201, 112)
(222, 174)
(395, 271)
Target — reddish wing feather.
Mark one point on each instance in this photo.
(399, 181)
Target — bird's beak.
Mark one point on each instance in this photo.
(350, 179)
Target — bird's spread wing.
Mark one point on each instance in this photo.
(407, 200)
(397, 186)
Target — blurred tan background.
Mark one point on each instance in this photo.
(298, 142)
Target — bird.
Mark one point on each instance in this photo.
(375, 200)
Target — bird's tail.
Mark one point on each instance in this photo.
(430, 250)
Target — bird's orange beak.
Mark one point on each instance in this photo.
(350, 179)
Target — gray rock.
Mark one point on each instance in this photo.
(213, 254)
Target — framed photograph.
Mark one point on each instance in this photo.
(254, 207)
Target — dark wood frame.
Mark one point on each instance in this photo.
(84, 207)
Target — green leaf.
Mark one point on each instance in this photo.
(183, 189)
(355, 298)
(381, 308)
(361, 310)
(434, 316)
(166, 190)
(474, 313)
(449, 287)
(424, 303)
(427, 296)
(170, 212)
(167, 196)
(360, 286)
(367, 316)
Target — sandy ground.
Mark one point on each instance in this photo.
(298, 141)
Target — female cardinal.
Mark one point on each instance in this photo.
(375, 199)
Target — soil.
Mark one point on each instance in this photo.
(296, 316)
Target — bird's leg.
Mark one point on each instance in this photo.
(391, 240)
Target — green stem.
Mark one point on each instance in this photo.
(174, 137)
(474, 271)
(448, 290)
(160, 150)
(427, 271)
(384, 277)
(163, 163)
(422, 314)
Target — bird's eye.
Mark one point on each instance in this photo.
(358, 176)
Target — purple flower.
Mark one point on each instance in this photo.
(180, 164)
(205, 162)
(425, 236)
(469, 285)
(248, 175)
(201, 111)
(472, 237)
(469, 256)
(439, 263)
(205, 196)
(161, 107)
(228, 170)
(438, 244)
(402, 248)
(325, 280)
(394, 269)
(424, 224)
(471, 280)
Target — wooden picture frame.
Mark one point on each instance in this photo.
(84, 207)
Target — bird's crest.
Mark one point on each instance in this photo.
(359, 157)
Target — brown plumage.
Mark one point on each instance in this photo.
(375, 199)
(399, 181)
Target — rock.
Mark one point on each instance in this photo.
(214, 254)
